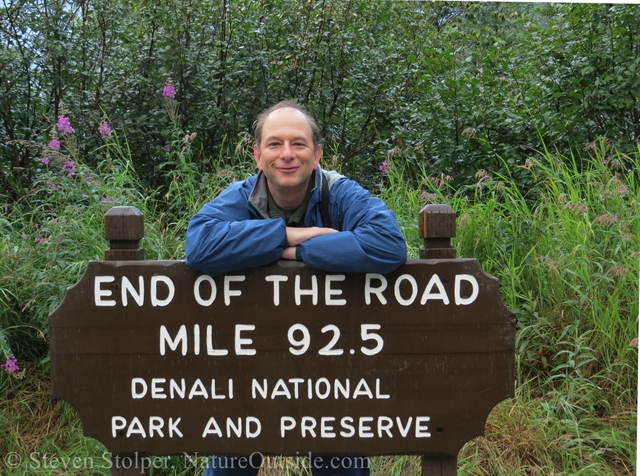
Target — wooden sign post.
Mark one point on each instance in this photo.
(158, 358)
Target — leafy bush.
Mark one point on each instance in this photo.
(481, 81)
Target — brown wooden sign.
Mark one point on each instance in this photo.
(159, 358)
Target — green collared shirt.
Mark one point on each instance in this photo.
(292, 216)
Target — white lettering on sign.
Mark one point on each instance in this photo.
(369, 289)
(128, 289)
(405, 290)
(441, 294)
(366, 334)
(99, 293)
(210, 349)
(240, 350)
(364, 430)
(329, 292)
(376, 285)
(321, 388)
(276, 279)
(136, 427)
(228, 292)
(421, 428)
(345, 423)
(286, 423)
(138, 388)
(414, 289)
(307, 425)
(460, 301)
(326, 431)
(300, 339)
(363, 426)
(299, 346)
(197, 290)
(384, 425)
(155, 301)
(156, 390)
(313, 292)
(181, 339)
(178, 389)
(252, 427)
(404, 431)
(196, 339)
(198, 390)
(136, 294)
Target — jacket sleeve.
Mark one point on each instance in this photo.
(369, 238)
(223, 236)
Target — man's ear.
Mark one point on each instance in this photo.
(257, 156)
(316, 157)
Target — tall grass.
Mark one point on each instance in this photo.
(567, 254)
(563, 238)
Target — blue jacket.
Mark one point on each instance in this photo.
(234, 231)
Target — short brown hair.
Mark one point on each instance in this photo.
(315, 130)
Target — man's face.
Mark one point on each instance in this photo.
(286, 154)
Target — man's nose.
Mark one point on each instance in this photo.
(287, 151)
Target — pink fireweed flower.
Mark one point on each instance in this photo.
(104, 129)
(167, 148)
(384, 167)
(52, 187)
(169, 91)
(44, 160)
(11, 366)
(69, 168)
(64, 125)
(54, 144)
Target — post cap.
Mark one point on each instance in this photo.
(437, 221)
(123, 224)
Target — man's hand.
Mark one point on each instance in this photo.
(295, 236)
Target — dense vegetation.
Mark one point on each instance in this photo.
(524, 118)
(449, 86)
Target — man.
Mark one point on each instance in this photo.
(294, 210)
